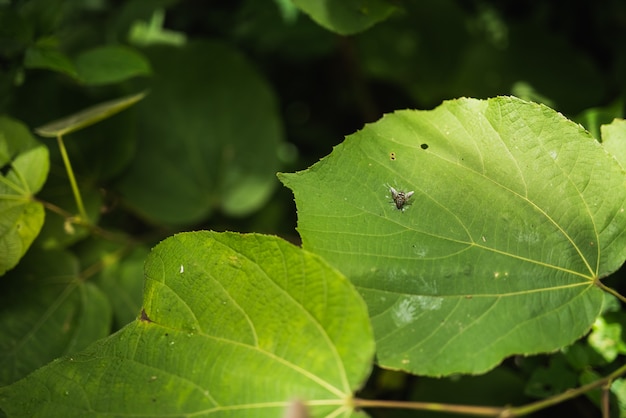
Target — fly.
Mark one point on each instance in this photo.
(400, 198)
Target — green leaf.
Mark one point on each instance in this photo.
(47, 312)
(24, 165)
(209, 136)
(594, 118)
(88, 116)
(516, 212)
(606, 338)
(614, 139)
(618, 388)
(110, 64)
(49, 58)
(346, 17)
(232, 325)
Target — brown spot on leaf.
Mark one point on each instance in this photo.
(144, 316)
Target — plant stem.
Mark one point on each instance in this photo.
(569, 394)
(611, 291)
(111, 236)
(493, 411)
(487, 411)
(70, 175)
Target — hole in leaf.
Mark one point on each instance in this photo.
(5, 169)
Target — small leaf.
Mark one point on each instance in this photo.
(232, 325)
(88, 116)
(594, 118)
(607, 338)
(346, 17)
(110, 64)
(516, 213)
(49, 58)
(24, 164)
(618, 388)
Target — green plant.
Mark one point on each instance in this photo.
(435, 243)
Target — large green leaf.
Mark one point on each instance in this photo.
(24, 165)
(209, 135)
(516, 213)
(232, 325)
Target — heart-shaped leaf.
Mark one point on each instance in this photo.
(514, 216)
(209, 135)
(232, 325)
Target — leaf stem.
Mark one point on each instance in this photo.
(493, 411)
(610, 290)
(487, 411)
(70, 175)
(111, 236)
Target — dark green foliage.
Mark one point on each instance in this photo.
(504, 261)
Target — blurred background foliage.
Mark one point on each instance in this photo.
(57, 57)
(239, 90)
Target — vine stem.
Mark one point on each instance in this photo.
(493, 411)
(487, 411)
(70, 175)
(111, 236)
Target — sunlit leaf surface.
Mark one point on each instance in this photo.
(516, 212)
(231, 325)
